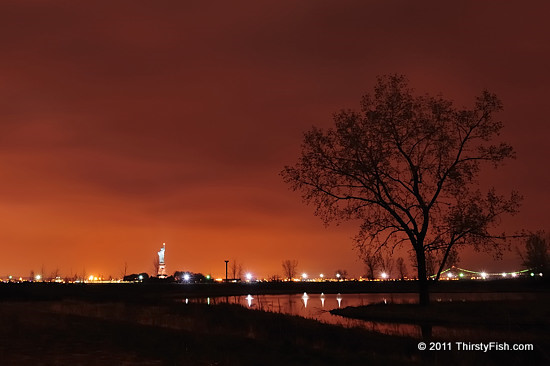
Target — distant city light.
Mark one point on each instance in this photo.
(304, 275)
(532, 274)
(249, 276)
(514, 274)
(140, 277)
(384, 275)
(321, 275)
(186, 277)
(503, 274)
(337, 275)
(208, 277)
(483, 275)
(91, 278)
(461, 274)
(449, 274)
(37, 277)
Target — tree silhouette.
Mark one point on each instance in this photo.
(372, 261)
(236, 270)
(401, 268)
(406, 167)
(289, 268)
(536, 256)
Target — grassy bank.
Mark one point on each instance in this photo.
(79, 333)
(510, 321)
(520, 313)
(72, 332)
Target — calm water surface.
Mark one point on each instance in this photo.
(317, 306)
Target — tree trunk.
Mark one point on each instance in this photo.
(443, 261)
(423, 284)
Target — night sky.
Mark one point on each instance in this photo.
(124, 125)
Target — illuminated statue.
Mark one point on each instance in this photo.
(162, 266)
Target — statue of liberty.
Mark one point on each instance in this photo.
(161, 253)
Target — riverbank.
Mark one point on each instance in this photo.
(82, 333)
(531, 314)
(156, 291)
(116, 333)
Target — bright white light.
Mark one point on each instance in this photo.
(384, 275)
(91, 278)
(37, 277)
(483, 275)
(337, 275)
(449, 275)
(339, 299)
(140, 277)
(186, 277)
(514, 274)
(503, 274)
(321, 275)
(304, 275)
(248, 276)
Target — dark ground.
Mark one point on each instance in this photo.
(140, 324)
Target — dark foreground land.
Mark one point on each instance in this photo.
(102, 326)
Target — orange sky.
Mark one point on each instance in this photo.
(124, 125)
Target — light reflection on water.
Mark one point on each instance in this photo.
(317, 306)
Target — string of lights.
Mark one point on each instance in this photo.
(462, 272)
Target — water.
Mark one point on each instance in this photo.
(317, 306)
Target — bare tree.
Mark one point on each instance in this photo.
(289, 268)
(54, 274)
(124, 270)
(387, 264)
(341, 273)
(406, 167)
(43, 273)
(536, 255)
(236, 270)
(372, 261)
(401, 267)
